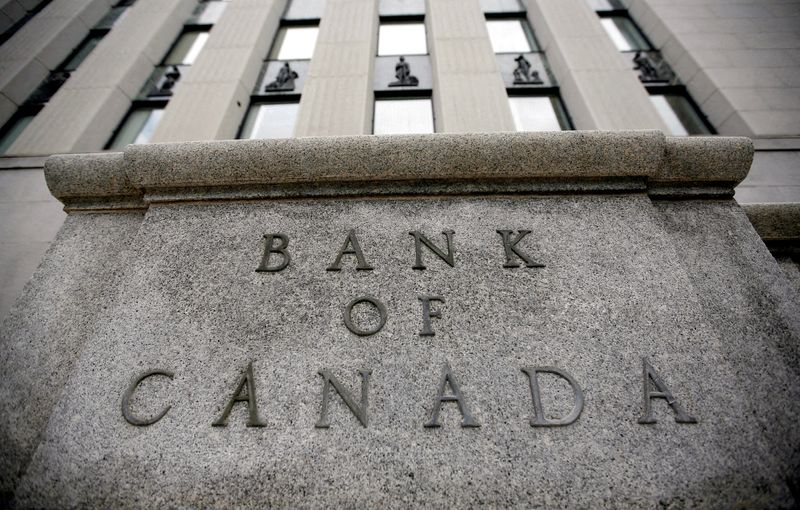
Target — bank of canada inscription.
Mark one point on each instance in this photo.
(277, 256)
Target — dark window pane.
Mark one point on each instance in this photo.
(138, 127)
(678, 113)
(15, 129)
(624, 33)
(187, 48)
(82, 52)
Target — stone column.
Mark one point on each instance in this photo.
(41, 45)
(337, 97)
(596, 82)
(468, 90)
(84, 113)
(212, 98)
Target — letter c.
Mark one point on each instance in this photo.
(126, 398)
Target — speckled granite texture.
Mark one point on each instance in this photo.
(686, 284)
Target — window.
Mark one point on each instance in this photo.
(80, 54)
(401, 7)
(294, 43)
(142, 119)
(605, 5)
(511, 36)
(624, 33)
(403, 116)
(501, 6)
(207, 13)
(55, 79)
(402, 39)
(538, 113)
(138, 127)
(13, 129)
(679, 114)
(667, 94)
(304, 9)
(270, 120)
(186, 49)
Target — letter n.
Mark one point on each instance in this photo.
(360, 412)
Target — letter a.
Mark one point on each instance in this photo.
(352, 241)
(448, 378)
(250, 397)
(650, 376)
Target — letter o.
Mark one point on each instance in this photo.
(348, 320)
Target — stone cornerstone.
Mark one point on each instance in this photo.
(580, 319)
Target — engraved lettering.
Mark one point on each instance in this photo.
(420, 239)
(510, 247)
(126, 399)
(427, 313)
(270, 248)
(359, 412)
(239, 395)
(348, 315)
(448, 378)
(652, 379)
(539, 419)
(355, 249)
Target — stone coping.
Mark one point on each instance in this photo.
(569, 161)
(775, 222)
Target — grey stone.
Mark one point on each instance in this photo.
(617, 286)
(43, 334)
(629, 274)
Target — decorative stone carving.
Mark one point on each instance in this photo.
(402, 71)
(284, 80)
(524, 74)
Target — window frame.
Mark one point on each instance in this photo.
(267, 100)
(138, 104)
(527, 30)
(412, 19)
(562, 114)
(681, 91)
(403, 95)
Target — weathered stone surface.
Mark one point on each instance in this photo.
(44, 333)
(617, 287)
(628, 274)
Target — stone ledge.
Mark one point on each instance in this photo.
(570, 161)
(775, 222)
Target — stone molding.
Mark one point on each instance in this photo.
(551, 162)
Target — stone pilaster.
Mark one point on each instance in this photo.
(337, 98)
(212, 98)
(83, 114)
(596, 82)
(468, 91)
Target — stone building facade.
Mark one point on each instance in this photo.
(73, 72)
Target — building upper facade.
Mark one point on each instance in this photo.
(93, 75)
